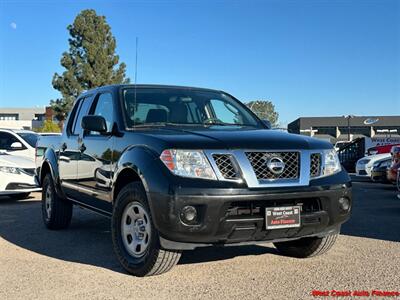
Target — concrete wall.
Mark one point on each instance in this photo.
(15, 124)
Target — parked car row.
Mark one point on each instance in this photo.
(382, 167)
(17, 163)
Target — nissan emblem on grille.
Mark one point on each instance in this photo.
(276, 165)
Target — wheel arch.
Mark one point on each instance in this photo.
(133, 166)
(50, 166)
(125, 176)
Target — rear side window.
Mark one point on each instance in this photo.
(30, 138)
(83, 110)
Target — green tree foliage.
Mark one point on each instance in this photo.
(265, 110)
(90, 61)
(49, 126)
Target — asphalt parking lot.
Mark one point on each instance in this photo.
(79, 262)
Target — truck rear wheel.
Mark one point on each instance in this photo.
(307, 247)
(135, 239)
(56, 212)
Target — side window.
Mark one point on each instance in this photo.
(104, 108)
(83, 111)
(6, 139)
(225, 112)
(71, 116)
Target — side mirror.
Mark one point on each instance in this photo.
(94, 123)
(266, 123)
(16, 146)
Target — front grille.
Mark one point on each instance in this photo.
(362, 172)
(225, 166)
(29, 171)
(257, 208)
(259, 162)
(315, 165)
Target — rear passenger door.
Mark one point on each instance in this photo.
(94, 167)
(69, 152)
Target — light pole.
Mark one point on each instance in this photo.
(348, 117)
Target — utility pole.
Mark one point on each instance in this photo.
(348, 117)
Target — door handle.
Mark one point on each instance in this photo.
(82, 148)
(64, 159)
(63, 147)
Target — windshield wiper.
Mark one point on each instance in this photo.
(162, 124)
(228, 124)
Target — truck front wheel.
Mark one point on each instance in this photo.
(56, 212)
(307, 247)
(135, 239)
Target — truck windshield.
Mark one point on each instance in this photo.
(157, 107)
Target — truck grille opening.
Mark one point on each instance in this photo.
(259, 162)
(315, 165)
(257, 208)
(226, 166)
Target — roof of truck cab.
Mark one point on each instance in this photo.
(152, 86)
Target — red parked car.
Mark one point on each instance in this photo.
(394, 168)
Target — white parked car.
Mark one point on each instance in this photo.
(365, 164)
(17, 176)
(18, 142)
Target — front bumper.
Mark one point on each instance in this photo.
(18, 183)
(231, 216)
(379, 175)
(362, 170)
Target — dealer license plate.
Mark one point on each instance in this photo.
(282, 217)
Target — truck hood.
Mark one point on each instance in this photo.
(234, 138)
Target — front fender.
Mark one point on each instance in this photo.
(143, 161)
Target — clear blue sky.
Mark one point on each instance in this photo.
(311, 58)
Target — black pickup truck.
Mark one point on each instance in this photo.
(176, 168)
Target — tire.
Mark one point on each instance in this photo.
(130, 211)
(307, 247)
(20, 196)
(56, 211)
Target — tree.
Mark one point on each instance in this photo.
(49, 126)
(264, 109)
(90, 61)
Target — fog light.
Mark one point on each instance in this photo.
(344, 204)
(189, 214)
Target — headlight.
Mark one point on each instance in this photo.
(11, 170)
(188, 163)
(364, 162)
(331, 162)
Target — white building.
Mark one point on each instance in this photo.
(24, 118)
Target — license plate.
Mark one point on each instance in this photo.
(282, 217)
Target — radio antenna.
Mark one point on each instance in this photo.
(136, 66)
(137, 42)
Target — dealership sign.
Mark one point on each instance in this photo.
(371, 121)
(381, 141)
